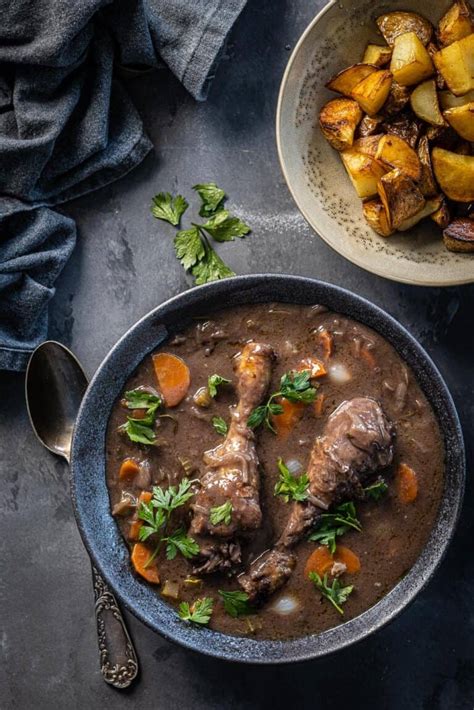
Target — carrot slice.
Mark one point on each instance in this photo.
(284, 422)
(173, 377)
(318, 405)
(406, 483)
(325, 340)
(321, 560)
(314, 365)
(128, 470)
(367, 355)
(140, 556)
(135, 525)
(145, 497)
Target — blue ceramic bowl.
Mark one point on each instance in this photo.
(91, 500)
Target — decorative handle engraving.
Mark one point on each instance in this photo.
(118, 660)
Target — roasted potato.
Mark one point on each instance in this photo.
(454, 173)
(394, 24)
(456, 23)
(400, 196)
(442, 217)
(394, 152)
(375, 54)
(461, 118)
(456, 64)
(431, 205)
(432, 49)
(364, 171)
(427, 183)
(347, 79)
(424, 102)
(448, 100)
(404, 127)
(410, 62)
(459, 235)
(376, 216)
(369, 125)
(372, 92)
(367, 144)
(338, 120)
(397, 99)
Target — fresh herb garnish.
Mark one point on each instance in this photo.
(291, 487)
(235, 603)
(333, 525)
(220, 425)
(221, 513)
(215, 381)
(210, 267)
(156, 518)
(139, 433)
(294, 386)
(140, 430)
(211, 196)
(199, 612)
(377, 490)
(224, 228)
(335, 593)
(168, 208)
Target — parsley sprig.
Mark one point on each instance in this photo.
(291, 487)
(221, 513)
(335, 593)
(212, 198)
(220, 425)
(215, 381)
(168, 208)
(235, 603)
(141, 430)
(156, 517)
(376, 490)
(199, 612)
(295, 387)
(330, 526)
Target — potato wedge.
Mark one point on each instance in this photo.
(404, 128)
(400, 197)
(456, 23)
(372, 92)
(397, 99)
(364, 171)
(394, 152)
(394, 24)
(432, 49)
(427, 183)
(376, 54)
(459, 236)
(410, 62)
(367, 144)
(456, 64)
(442, 216)
(424, 102)
(369, 125)
(433, 204)
(461, 118)
(376, 216)
(348, 78)
(454, 173)
(448, 100)
(338, 120)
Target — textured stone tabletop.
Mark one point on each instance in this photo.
(123, 266)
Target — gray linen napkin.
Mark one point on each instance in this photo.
(67, 126)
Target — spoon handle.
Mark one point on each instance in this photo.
(118, 660)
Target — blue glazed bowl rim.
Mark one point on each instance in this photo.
(100, 532)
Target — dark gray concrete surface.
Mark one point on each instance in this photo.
(123, 266)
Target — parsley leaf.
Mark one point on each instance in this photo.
(332, 525)
(235, 603)
(210, 268)
(199, 612)
(376, 490)
(291, 487)
(180, 542)
(139, 433)
(221, 514)
(224, 228)
(220, 425)
(335, 593)
(294, 386)
(214, 381)
(140, 399)
(168, 208)
(189, 247)
(211, 196)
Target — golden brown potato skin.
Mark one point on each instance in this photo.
(396, 153)
(454, 62)
(410, 63)
(369, 125)
(454, 173)
(393, 24)
(376, 216)
(461, 118)
(442, 215)
(347, 79)
(427, 183)
(400, 196)
(456, 23)
(338, 120)
(459, 235)
(398, 98)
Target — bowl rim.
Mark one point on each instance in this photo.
(317, 228)
(88, 444)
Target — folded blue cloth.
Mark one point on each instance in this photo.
(68, 127)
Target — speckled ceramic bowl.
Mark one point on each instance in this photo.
(314, 172)
(90, 495)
